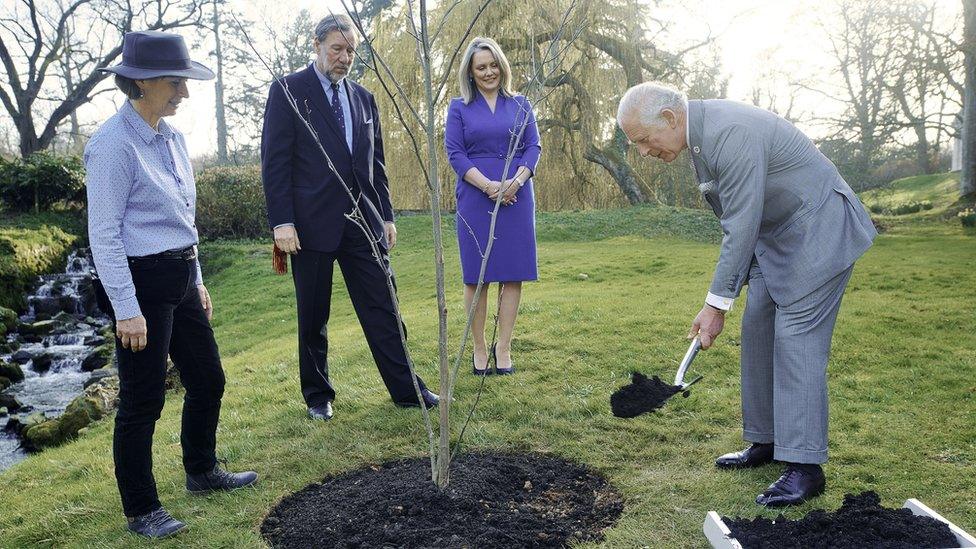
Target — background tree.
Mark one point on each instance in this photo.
(863, 47)
(924, 78)
(35, 38)
(967, 179)
(287, 47)
(219, 106)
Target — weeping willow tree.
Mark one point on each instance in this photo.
(586, 161)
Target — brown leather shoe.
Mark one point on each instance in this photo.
(756, 455)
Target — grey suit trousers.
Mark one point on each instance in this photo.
(784, 368)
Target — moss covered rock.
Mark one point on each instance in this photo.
(9, 402)
(4, 383)
(13, 372)
(93, 407)
(8, 320)
(101, 356)
(40, 328)
(79, 414)
(43, 435)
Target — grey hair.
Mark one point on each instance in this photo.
(648, 100)
(332, 22)
(464, 71)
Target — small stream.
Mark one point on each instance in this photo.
(52, 363)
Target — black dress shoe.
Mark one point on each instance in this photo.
(797, 485)
(430, 400)
(502, 371)
(322, 412)
(218, 480)
(756, 455)
(474, 368)
(155, 524)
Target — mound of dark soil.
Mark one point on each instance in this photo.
(494, 500)
(642, 395)
(860, 523)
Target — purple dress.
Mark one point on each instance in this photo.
(476, 137)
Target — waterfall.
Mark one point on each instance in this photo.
(53, 373)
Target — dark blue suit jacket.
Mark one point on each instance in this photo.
(298, 184)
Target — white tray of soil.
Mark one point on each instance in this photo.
(861, 514)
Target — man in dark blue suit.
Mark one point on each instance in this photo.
(307, 200)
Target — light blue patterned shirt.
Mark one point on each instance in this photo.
(141, 200)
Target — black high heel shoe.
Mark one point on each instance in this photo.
(476, 371)
(501, 371)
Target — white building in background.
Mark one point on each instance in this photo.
(957, 144)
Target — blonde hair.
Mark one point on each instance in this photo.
(464, 71)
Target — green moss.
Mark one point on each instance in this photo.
(99, 357)
(80, 413)
(8, 320)
(43, 435)
(31, 245)
(90, 406)
(11, 371)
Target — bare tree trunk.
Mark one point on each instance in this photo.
(442, 472)
(922, 150)
(613, 158)
(967, 179)
(219, 89)
(29, 143)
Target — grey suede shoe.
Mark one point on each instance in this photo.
(155, 524)
(218, 480)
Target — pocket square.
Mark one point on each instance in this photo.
(707, 187)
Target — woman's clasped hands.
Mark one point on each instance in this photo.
(507, 188)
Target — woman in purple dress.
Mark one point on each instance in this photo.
(481, 127)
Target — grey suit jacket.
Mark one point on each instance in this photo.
(779, 200)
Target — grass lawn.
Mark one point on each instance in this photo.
(902, 387)
(940, 189)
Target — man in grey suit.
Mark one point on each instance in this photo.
(792, 230)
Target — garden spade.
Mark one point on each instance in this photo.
(645, 394)
(679, 378)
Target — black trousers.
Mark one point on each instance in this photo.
(366, 282)
(177, 326)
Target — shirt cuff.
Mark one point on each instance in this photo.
(127, 308)
(284, 225)
(719, 302)
(199, 272)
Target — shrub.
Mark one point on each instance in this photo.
(967, 217)
(41, 181)
(902, 209)
(230, 203)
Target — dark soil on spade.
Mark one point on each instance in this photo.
(494, 500)
(642, 395)
(860, 523)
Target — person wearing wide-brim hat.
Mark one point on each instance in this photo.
(141, 224)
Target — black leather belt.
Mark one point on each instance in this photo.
(184, 254)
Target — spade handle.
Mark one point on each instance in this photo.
(693, 349)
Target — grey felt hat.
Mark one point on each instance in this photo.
(151, 54)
